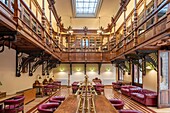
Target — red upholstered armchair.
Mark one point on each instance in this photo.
(48, 89)
(118, 104)
(97, 81)
(58, 83)
(47, 107)
(99, 88)
(116, 85)
(14, 105)
(75, 87)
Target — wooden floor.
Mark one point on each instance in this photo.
(109, 93)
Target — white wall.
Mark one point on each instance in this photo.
(107, 74)
(150, 80)
(10, 83)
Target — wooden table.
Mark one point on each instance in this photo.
(70, 105)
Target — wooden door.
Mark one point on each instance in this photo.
(164, 79)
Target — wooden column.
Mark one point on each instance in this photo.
(43, 21)
(51, 29)
(51, 32)
(70, 68)
(43, 13)
(115, 34)
(17, 11)
(108, 44)
(124, 29)
(68, 81)
(168, 15)
(85, 68)
(135, 23)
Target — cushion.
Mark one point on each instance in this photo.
(141, 96)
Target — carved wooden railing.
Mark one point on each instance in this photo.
(151, 33)
(29, 27)
(7, 13)
(86, 57)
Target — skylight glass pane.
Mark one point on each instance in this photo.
(86, 8)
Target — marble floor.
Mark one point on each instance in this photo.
(109, 93)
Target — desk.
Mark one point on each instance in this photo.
(10, 96)
(103, 105)
(70, 105)
(40, 89)
(2, 94)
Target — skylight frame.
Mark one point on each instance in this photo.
(85, 2)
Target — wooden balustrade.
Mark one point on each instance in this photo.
(153, 26)
(85, 57)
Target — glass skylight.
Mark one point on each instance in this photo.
(86, 8)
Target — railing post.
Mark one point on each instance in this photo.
(135, 23)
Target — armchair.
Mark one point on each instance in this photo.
(14, 105)
(47, 107)
(118, 104)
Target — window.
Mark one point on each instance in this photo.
(120, 74)
(85, 42)
(86, 8)
(137, 73)
(5, 2)
(162, 12)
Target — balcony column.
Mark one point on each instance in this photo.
(51, 29)
(115, 39)
(43, 21)
(168, 15)
(17, 11)
(135, 23)
(124, 30)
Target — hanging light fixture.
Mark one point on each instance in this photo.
(99, 31)
(70, 30)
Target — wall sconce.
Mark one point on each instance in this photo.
(39, 77)
(61, 69)
(92, 69)
(78, 69)
(107, 69)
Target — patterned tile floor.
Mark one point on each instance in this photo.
(109, 93)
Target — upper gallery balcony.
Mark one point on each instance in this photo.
(37, 27)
